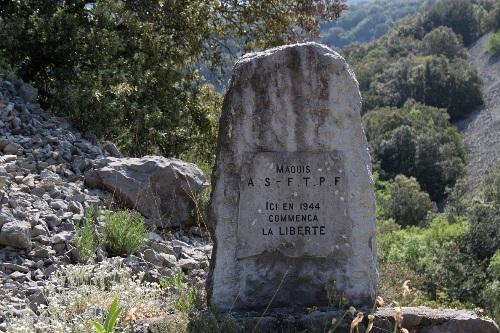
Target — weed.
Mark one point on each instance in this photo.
(85, 239)
(114, 311)
(124, 232)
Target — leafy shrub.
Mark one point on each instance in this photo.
(413, 254)
(124, 232)
(490, 293)
(406, 203)
(416, 141)
(493, 45)
(443, 41)
(85, 238)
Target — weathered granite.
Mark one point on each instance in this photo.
(161, 188)
(296, 106)
(426, 320)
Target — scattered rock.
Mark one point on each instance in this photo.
(16, 234)
(425, 320)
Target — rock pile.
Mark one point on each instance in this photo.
(43, 195)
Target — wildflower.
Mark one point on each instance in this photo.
(334, 320)
(406, 289)
(358, 319)
(379, 301)
(404, 330)
(131, 315)
(352, 310)
(398, 318)
(370, 323)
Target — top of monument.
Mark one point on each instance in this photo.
(335, 59)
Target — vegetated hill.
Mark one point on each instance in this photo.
(367, 20)
(481, 128)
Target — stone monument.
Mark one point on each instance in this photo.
(292, 207)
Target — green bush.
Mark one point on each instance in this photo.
(493, 44)
(85, 237)
(414, 254)
(492, 290)
(406, 204)
(416, 141)
(124, 232)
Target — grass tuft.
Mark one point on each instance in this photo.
(124, 232)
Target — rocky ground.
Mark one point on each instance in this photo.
(481, 129)
(43, 197)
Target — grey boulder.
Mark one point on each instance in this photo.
(162, 189)
(16, 234)
(426, 320)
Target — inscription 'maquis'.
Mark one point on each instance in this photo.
(292, 203)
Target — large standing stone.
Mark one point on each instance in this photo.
(293, 203)
(162, 189)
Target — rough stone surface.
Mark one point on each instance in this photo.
(16, 234)
(425, 320)
(162, 189)
(296, 106)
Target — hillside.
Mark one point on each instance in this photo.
(481, 129)
(365, 21)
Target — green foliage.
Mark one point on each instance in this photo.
(443, 41)
(124, 232)
(459, 15)
(128, 71)
(421, 58)
(406, 204)
(114, 311)
(416, 141)
(452, 262)
(483, 212)
(492, 289)
(86, 240)
(368, 20)
(187, 298)
(493, 44)
(413, 254)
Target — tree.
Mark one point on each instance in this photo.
(443, 41)
(128, 70)
(406, 203)
(416, 141)
(459, 15)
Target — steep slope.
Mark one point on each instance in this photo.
(482, 128)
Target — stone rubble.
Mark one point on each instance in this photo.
(43, 195)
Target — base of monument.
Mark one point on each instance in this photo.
(415, 319)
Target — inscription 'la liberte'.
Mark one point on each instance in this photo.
(290, 196)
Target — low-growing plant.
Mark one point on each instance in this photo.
(187, 298)
(114, 311)
(82, 292)
(124, 232)
(86, 240)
